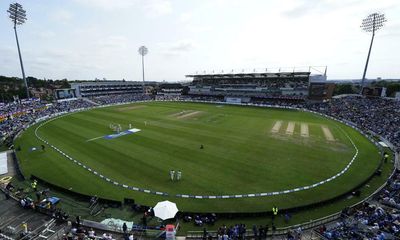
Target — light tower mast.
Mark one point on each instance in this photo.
(372, 23)
(143, 51)
(18, 16)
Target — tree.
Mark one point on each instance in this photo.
(64, 83)
(344, 89)
(392, 87)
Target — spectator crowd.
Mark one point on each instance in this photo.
(376, 219)
(16, 116)
(379, 115)
(122, 98)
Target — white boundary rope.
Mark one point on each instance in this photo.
(262, 194)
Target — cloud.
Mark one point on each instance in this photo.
(108, 5)
(306, 7)
(390, 31)
(185, 17)
(8, 55)
(178, 48)
(302, 9)
(61, 16)
(199, 28)
(81, 39)
(45, 34)
(157, 8)
(183, 46)
(150, 8)
(113, 42)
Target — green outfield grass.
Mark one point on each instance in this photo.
(243, 153)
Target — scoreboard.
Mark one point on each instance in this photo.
(65, 93)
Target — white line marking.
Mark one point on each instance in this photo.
(92, 139)
(227, 196)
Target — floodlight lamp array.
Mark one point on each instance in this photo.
(143, 50)
(17, 14)
(373, 22)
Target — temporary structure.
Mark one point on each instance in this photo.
(165, 210)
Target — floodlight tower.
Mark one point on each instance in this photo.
(143, 51)
(372, 23)
(18, 17)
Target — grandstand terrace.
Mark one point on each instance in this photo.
(102, 88)
(257, 85)
(169, 91)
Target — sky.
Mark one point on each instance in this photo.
(88, 39)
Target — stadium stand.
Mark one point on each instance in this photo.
(377, 218)
(122, 98)
(292, 84)
(257, 85)
(379, 115)
(106, 88)
(169, 90)
(20, 223)
(15, 117)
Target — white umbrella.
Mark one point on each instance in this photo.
(165, 210)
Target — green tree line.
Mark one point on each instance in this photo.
(13, 86)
